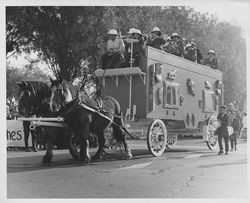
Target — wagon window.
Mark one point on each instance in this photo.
(208, 101)
(174, 95)
(170, 95)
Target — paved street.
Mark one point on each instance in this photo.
(189, 170)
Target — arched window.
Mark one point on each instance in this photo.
(208, 101)
(170, 95)
(168, 92)
(174, 95)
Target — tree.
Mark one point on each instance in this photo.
(63, 36)
(16, 36)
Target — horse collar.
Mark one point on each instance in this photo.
(99, 103)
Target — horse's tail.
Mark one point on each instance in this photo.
(119, 134)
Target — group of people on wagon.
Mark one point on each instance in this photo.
(119, 49)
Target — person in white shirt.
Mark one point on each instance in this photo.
(115, 51)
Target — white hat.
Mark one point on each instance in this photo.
(211, 52)
(189, 45)
(156, 29)
(112, 32)
(134, 31)
(174, 35)
(138, 31)
(192, 43)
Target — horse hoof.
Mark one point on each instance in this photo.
(84, 162)
(75, 156)
(47, 160)
(96, 157)
(87, 161)
(129, 155)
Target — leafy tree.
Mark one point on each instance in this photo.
(63, 36)
(16, 36)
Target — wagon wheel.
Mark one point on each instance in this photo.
(111, 144)
(171, 141)
(157, 137)
(212, 139)
(243, 133)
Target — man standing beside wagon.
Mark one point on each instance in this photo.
(222, 131)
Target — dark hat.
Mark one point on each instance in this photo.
(223, 107)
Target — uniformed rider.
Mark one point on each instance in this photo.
(198, 53)
(211, 60)
(115, 51)
(177, 45)
(189, 53)
(156, 39)
(138, 47)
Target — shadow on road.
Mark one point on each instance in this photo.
(33, 163)
(223, 164)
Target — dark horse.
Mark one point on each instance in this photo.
(34, 100)
(83, 121)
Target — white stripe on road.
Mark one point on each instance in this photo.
(192, 156)
(143, 165)
(189, 146)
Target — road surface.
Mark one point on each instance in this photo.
(189, 170)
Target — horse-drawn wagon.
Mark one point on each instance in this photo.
(166, 94)
(169, 95)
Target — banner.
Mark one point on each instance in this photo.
(15, 134)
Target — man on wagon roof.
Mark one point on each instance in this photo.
(177, 44)
(211, 60)
(189, 53)
(138, 47)
(115, 51)
(156, 40)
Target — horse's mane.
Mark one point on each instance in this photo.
(72, 88)
(40, 89)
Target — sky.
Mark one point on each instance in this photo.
(234, 12)
(226, 10)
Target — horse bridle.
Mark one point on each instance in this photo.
(65, 103)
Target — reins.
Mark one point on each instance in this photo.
(98, 112)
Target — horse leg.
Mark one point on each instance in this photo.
(72, 147)
(101, 142)
(84, 149)
(120, 136)
(34, 140)
(48, 156)
(26, 130)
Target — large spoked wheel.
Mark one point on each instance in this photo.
(171, 141)
(212, 139)
(157, 137)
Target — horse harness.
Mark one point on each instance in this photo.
(97, 110)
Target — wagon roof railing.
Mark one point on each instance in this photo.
(126, 72)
